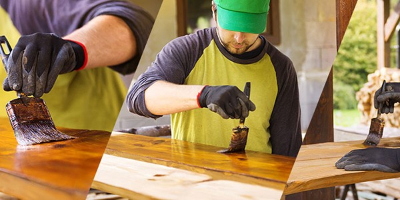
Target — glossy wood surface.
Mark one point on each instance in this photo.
(249, 167)
(56, 170)
(315, 166)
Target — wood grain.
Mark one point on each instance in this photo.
(139, 180)
(315, 166)
(250, 167)
(56, 170)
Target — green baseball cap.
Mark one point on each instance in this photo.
(249, 16)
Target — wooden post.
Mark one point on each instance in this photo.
(383, 7)
(321, 125)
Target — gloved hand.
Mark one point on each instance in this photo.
(378, 159)
(36, 61)
(228, 101)
(390, 96)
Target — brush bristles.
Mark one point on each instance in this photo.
(38, 132)
(372, 140)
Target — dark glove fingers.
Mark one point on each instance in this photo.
(385, 109)
(252, 106)
(245, 110)
(215, 108)
(343, 164)
(394, 96)
(369, 167)
(230, 110)
(347, 160)
(29, 78)
(42, 71)
(63, 62)
(67, 57)
(391, 108)
(14, 69)
(221, 112)
(233, 108)
(6, 86)
(29, 66)
(376, 103)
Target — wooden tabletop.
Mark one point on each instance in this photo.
(249, 169)
(56, 170)
(315, 166)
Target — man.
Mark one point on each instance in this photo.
(375, 158)
(64, 48)
(205, 70)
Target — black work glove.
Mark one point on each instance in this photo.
(378, 159)
(390, 96)
(228, 101)
(36, 61)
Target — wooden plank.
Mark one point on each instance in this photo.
(249, 167)
(392, 21)
(315, 166)
(56, 170)
(136, 179)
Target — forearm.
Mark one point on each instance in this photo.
(108, 40)
(163, 97)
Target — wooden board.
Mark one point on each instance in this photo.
(315, 166)
(139, 180)
(251, 167)
(270, 171)
(56, 170)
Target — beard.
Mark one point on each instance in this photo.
(237, 48)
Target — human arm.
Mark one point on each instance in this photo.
(102, 28)
(104, 36)
(159, 101)
(371, 159)
(227, 101)
(285, 125)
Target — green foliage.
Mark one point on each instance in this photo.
(357, 56)
(346, 118)
(344, 98)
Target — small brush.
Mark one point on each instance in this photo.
(239, 133)
(377, 125)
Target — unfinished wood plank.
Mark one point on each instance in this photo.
(56, 170)
(133, 179)
(315, 166)
(249, 167)
(389, 187)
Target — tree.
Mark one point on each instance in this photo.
(357, 56)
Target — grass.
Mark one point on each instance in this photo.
(346, 118)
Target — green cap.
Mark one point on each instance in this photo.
(249, 16)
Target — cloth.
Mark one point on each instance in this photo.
(94, 96)
(200, 58)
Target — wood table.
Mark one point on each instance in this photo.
(151, 167)
(315, 166)
(56, 170)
